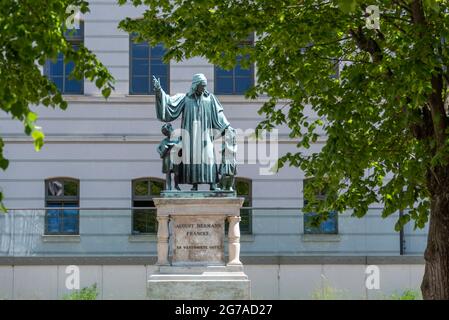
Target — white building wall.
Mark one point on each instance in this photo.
(268, 282)
(106, 144)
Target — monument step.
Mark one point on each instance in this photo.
(199, 269)
(215, 276)
(189, 288)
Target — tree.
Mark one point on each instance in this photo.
(32, 31)
(385, 116)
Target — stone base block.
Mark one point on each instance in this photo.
(199, 283)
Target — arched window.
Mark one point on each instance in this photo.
(244, 188)
(329, 226)
(62, 194)
(143, 190)
(59, 71)
(146, 61)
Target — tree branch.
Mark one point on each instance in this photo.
(367, 44)
(436, 104)
(395, 24)
(402, 5)
(417, 12)
(326, 43)
(435, 100)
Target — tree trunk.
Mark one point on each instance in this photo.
(435, 284)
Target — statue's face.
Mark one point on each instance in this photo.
(201, 87)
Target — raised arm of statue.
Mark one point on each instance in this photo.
(157, 90)
(157, 86)
(168, 108)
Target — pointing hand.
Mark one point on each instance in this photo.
(156, 84)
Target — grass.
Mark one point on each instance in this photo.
(87, 293)
(408, 294)
(327, 292)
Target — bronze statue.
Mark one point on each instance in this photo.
(203, 120)
(228, 166)
(168, 150)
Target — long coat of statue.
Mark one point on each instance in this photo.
(202, 120)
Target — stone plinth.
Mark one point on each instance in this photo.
(196, 268)
(199, 283)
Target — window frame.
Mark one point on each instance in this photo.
(250, 202)
(317, 230)
(130, 71)
(63, 200)
(148, 197)
(249, 41)
(73, 41)
(336, 67)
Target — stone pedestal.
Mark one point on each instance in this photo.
(191, 257)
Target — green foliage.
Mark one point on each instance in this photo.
(407, 294)
(328, 292)
(386, 130)
(32, 31)
(87, 293)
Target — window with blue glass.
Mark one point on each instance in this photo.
(146, 61)
(61, 199)
(144, 213)
(237, 80)
(59, 70)
(335, 69)
(244, 189)
(311, 225)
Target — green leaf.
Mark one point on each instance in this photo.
(402, 221)
(106, 92)
(3, 209)
(3, 163)
(31, 117)
(347, 5)
(38, 138)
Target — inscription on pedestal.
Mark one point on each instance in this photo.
(198, 239)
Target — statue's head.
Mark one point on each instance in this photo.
(167, 129)
(199, 84)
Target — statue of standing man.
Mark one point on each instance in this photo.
(202, 121)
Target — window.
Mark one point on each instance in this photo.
(63, 195)
(244, 189)
(144, 189)
(146, 61)
(59, 71)
(237, 80)
(336, 69)
(329, 226)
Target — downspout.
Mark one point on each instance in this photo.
(401, 236)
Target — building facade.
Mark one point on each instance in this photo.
(100, 164)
